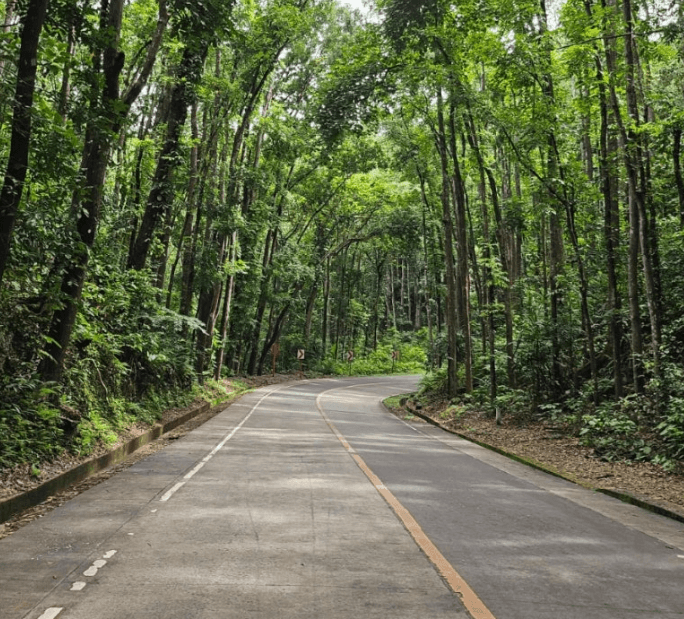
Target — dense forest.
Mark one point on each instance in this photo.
(196, 189)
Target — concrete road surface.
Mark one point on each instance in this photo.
(309, 500)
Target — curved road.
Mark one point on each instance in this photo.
(310, 500)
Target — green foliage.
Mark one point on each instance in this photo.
(612, 430)
(323, 220)
(434, 382)
(514, 402)
(31, 429)
(411, 361)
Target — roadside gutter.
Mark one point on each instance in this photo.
(35, 496)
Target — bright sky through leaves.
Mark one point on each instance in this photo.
(356, 4)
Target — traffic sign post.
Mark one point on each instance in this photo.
(395, 357)
(350, 358)
(301, 354)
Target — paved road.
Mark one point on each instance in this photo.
(309, 500)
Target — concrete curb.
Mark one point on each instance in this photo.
(33, 497)
(616, 494)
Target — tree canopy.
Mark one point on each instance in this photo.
(194, 190)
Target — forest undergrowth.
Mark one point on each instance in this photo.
(637, 428)
(197, 191)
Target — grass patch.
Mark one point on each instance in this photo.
(221, 391)
(395, 400)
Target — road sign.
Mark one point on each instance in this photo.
(350, 355)
(300, 354)
(395, 355)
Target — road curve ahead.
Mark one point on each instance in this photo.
(309, 500)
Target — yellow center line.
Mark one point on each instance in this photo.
(473, 604)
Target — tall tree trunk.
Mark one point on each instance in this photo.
(310, 304)
(611, 226)
(269, 248)
(65, 89)
(160, 198)
(87, 202)
(326, 301)
(507, 261)
(426, 256)
(462, 251)
(227, 303)
(273, 336)
(489, 324)
(632, 154)
(108, 114)
(451, 306)
(17, 163)
(638, 179)
(677, 162)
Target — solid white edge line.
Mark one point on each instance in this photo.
(197, 468)
(218, 447)
(171, 492)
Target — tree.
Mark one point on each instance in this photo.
(108, 112)
(17, 162)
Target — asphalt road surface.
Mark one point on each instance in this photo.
(310, 500)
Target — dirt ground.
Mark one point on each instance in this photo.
(546, 445)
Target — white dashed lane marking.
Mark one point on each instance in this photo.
(78, 586)
(51, 613)
(109, 555)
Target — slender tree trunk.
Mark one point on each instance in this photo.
(273, 336)
(108, 114)
(65, 89)
(326, 301)
(637, 177)
(269, 248)
(676, 159)
(310, 304)
(185, 246)
(161, 196)
(451, 306)
(611, 227)
(462, 275)
(507, 265)
(87, 202)
(426, 255)
(20, 141)
(227, 303)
